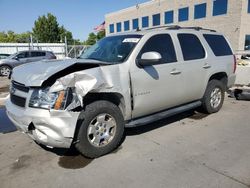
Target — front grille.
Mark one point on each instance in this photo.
(20, 87)
(19, 101)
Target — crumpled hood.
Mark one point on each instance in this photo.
(34, 74)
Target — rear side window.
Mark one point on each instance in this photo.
(162, 44)
(191, 47)
(37, 54)
(218, 44)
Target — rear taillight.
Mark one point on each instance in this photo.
(235, 63)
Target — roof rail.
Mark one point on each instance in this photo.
(198, 28)
(165, 26)
(177, 27)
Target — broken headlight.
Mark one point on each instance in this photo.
(42, 98)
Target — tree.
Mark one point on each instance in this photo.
(46, 29)
(3, 37)
(91, 39)
(10, 36)
(63, 32)
(100, 34)
(23, 37)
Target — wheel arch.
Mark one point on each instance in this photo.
(221, 76)
(115, 98)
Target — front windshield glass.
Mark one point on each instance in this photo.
(12, 56)
(113, 49)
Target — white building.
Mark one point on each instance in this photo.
(231, 17)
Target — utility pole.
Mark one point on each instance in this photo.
(31, 41)
(66, 46)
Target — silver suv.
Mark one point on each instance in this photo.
(22, 57)
(128, 79)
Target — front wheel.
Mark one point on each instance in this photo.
(214, 97)
(101, 130)
(5, 70)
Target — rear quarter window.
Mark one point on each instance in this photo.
(191, 47)
(218, 44)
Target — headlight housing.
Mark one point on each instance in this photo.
(42, 98)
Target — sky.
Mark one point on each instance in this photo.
(77, 16)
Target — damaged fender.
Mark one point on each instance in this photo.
(95, 80)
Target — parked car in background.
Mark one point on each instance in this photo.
(3, 56)
(22, 57)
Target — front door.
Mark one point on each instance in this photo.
(157, 87)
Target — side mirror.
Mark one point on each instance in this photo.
(150, 58)
(16, 58)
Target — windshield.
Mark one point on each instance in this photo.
(114, 49)
(12, 55)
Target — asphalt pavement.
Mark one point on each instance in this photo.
(187, 150)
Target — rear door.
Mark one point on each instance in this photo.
(37, 56)
(194, 65)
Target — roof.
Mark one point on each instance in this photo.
(166, 28)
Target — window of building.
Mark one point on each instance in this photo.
(248, 10)
(118, 27)
(247, 42)
(219, 7)
(162, 44)
(200, 11)
(169, 17)
(218, 44)
(156, 19)
(111, 28)
(183, 14)
(145, 21)
(191, 47)
(126, 26)
(135, 23)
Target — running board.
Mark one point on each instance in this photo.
(162, 115)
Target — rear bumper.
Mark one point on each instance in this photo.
(50, 128)
(231, 80)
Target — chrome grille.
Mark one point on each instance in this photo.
(18, 94)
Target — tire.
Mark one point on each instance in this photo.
(101, 129)
(214, 97)
(5, 70)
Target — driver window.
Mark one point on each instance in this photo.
(23, 55)
(162, 44)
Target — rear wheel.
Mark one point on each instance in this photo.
(101, 130)
(214, 97)
(5, 70)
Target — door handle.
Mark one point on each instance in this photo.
(175, 72)
(207, 66)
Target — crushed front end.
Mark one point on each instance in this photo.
(43, 115)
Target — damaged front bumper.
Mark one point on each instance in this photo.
(49, 128)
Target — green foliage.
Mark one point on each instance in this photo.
(10, 36)
(63, 32)
(93, 38)
(46, 29)
(100, 35)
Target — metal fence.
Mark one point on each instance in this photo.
(61, 50)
